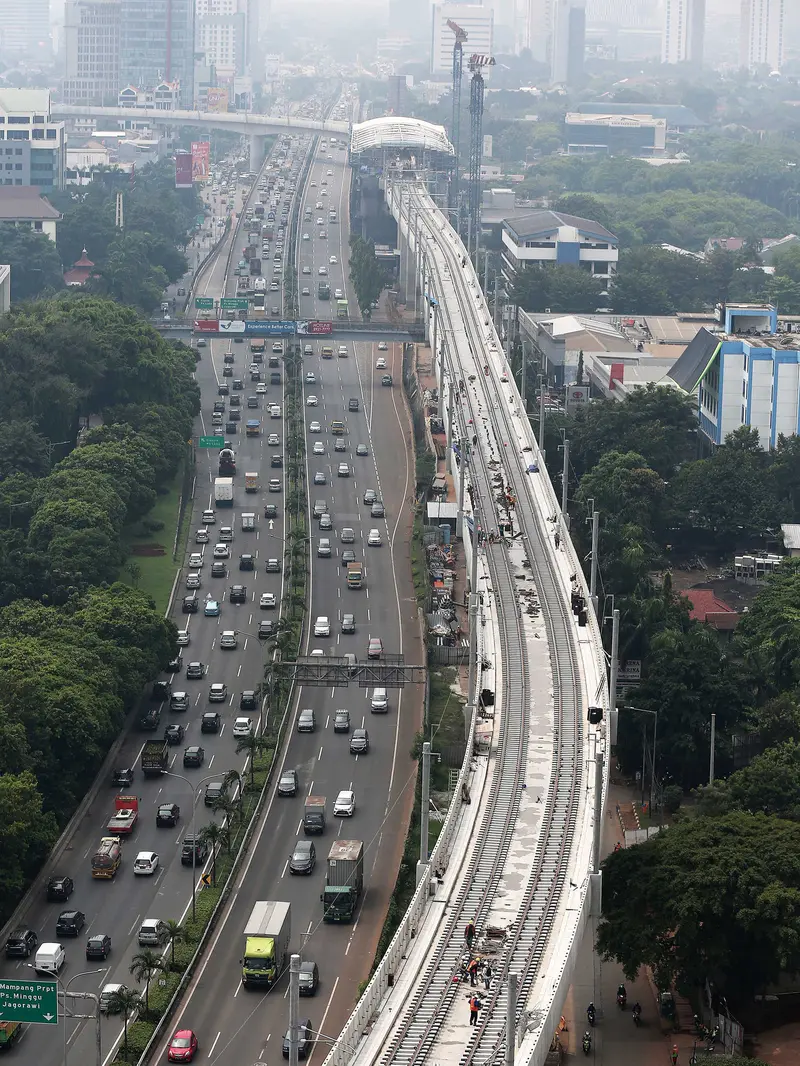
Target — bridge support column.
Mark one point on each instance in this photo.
(258, 147)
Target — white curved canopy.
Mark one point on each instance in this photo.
(403, 133)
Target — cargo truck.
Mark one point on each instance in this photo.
(251, 482)
(344, 879)
(125, 817)
(253, 427)
(355, 575)
(255, 267)
(155, 755)
(323, 291)
(248, 522)
(266, 944)
(314, 816)
(106, 860)
(257, 347)
(227, 462)
(223, 492)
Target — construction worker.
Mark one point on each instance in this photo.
(474, 1007)
(472, 970)
(674, 1055)
(469, 934)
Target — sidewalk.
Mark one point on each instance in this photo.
(616, 1041)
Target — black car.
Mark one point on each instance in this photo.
(59, 889)
(193, 755)
(174, 665)
(195, 672)
(174, 734)
(121, 777)
(210, 722)
(247, 562)
(227, 371)
(231, 427)
(235, 401)
(359, 742)
(276, 460)
(21, 944)
(235, 415)
(219, 569)
(199, 847)
(238, 384)
(215, 790)
(150, 720)
(191, 604)
(223, 389)
(168, 815)
(238, 594)
(161, 691)
(270, 510)
(287, 783)
(341, 721)
(303, 858)
(98, 946)
(248, 701)
(305, 1039)
(348, 623)
(348, 556)
(265, 629)
(309, 978)
(70, 923)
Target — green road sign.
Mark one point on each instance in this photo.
(204, 303)
(212, 442)
(35, 1002)
(233, 304)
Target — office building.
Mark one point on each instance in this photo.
(397, 94)
(683, 31)
(27, 209)
(545, 238)
(25, 29)
(539, 29)
(32, 146)
(5, 288)
(226, 33)
(632, 14)
(476, 21)
(636, 135)
(761, 34)
(91, 52)
(156, 44)
(569, 42)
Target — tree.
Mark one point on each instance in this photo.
(26, 832)
(177, 935)
(771, 629)
(254, 745)
(584, 205)
(34, 260)
(366, 273)
(786, 261)
(770, 784)
(124, 1001)
(560, 289)
(707, 899)
(144, 966)
(215, 835)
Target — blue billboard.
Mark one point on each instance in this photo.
(267, 327)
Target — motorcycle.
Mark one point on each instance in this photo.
(590, 1014)
(587, 1043)
(622, 1000)
(637, 1015)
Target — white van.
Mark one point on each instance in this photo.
(380, 701)
(49, 958)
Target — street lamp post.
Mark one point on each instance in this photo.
(194, 788)
(647, 710)
(81, 995)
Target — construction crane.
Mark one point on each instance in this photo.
(458, 66)
(477, 62)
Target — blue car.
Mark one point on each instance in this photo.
(211, 609)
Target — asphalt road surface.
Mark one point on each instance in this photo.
(234, 1024)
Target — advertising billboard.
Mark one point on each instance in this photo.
(201, 160)
(230, 325)
(314, 329)
(183, 170)
(217, 100)
(268, 328)
(206, 325)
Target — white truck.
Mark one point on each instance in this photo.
(266, 943)
(223, 492)
(248, 521)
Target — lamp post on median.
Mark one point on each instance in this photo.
(647, 710)
(82, 995)
(194, 788)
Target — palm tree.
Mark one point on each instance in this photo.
(177, 935)
(125, 1001)
(144, 966)
(253, 744)
(229, 807)
(215, 834)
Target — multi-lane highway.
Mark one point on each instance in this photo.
(232, 1024)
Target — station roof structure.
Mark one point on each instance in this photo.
(405, 134)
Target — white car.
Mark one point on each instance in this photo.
(228, 639)
(311, 401)
(374, 538)
(329, 173)
(318, 449)
(267, 601)
(342, 352)
(306, 237)
(209, 517)
(261, 389)
(322, 627)
(195, 561)
(323, 271)
(273, 440)
(145, 863)
(383, 346)
(333, 260)
(345, 804)
(305, 291)
(314, 427)
(242, 727)
(183, 638)
(311, 378)
(381, 364)
(222, 551)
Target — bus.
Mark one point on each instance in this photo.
(341, 309)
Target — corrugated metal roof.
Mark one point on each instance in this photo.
(393, 132)
(25, 101)
(791, 536)
(689, 369)
(531, 224)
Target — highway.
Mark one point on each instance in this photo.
(217, 1007)
(239, 1024)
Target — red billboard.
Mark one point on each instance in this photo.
(206, 325)
(183, 170)
(314, 329)
(201, 160)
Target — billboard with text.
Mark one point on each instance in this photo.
(266, 327)
(314, 329)
(217, 100)
(201, 160)
(183, 170)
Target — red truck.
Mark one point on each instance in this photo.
(126, 815)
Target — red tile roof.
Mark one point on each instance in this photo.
(706, 607)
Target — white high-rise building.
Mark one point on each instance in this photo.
(226, 31)
(569, 41)
(684, 29)
(761, 34)
(476, 21)
(539, 29)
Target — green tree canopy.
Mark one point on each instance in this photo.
(34, 260)
(560, 289)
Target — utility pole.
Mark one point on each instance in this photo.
(541, 416)
(462, 478)
(593, 571)
(565, 487)
(511, 1018)
(294, 1008)
(598, 806)
(713, 745)
(473, 627)
(426, 803)
(612, 682)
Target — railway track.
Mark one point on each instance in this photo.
(436, 991)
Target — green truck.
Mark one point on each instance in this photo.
(155, 756)
(344, 880)
(266, 944)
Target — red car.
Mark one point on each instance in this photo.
(183, 1046)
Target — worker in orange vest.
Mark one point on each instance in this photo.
(474, 1007)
